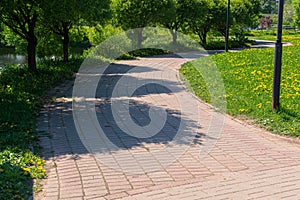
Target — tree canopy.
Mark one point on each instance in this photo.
(52, 21)
(296, 7)
(268, 6)
(138, 14)
(198, 16)
(60, 16)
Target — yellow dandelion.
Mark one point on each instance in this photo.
(242, 110)
(293, 129)
(259, 105)
(26, 169)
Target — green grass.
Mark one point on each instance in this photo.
(271, 35)
(247, 76)
(21, 96)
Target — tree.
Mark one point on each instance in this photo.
(60, 16)
(268, 6)
(245, 14)
(11, 39)
(1, 35)
(296, 8)
(132, 14)
(219, 14)
(198, 17)
(21, 17)
(288, 13)
(98, 33)
(173, 19)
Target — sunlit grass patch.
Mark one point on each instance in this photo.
(248, 77)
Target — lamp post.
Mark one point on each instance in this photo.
(278, 59)
(227, 27)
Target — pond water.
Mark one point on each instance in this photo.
(8, 56)
(12, 59)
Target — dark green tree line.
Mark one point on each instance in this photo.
(24, 17)
(32, 20)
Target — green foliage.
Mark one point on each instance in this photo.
(49, 45)
(202, 16)
(173, 17)
(1, 35)
(217, 43)
(143, 53)
(78, 36)
(219, 13)
(296, 8)
(270, 34)
(60, 17)
(16, 170)
(21, 17)
(21, 95)
(81, 22)
(98, 33)
(9, 38)
(245, 12)
(247, 76)
(138, 14)
(288, 13)
(131, 14)
(57, 14)
(197, 17)
(268, 6)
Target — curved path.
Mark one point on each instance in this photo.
(268, 44)
(244, 162)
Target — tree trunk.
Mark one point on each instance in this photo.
(174, 36)
(203, 38)
(66, 41)
(31, 52)
(31, 44)
(140, 38)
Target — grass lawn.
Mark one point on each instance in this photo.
(21, 96)
(248, 76)
(289, 35)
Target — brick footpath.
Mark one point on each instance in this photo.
(241, 161)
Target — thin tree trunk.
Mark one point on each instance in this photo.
(174, 36)
(203, 38)
(66, 41)
(140, 38)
